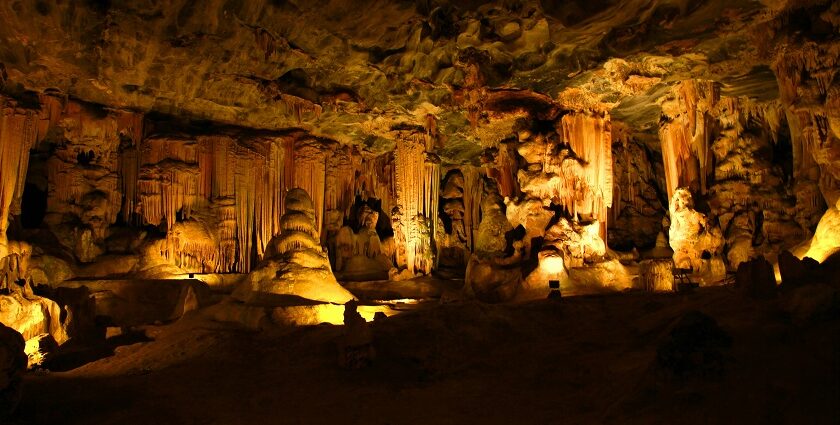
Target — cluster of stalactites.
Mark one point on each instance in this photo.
(417, 178)
(241, 187)
(298, 106)
(310, 173)
(635, 172)
(83, 134)
(686, 144)
(805, 77)
(344, 165)
(377, 180)
(590, 138)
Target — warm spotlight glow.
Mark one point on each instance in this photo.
(552, 264)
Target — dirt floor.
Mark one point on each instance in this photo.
(580, 360)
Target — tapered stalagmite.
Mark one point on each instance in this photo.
(299, 266)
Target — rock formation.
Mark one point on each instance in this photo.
(161, 140)
(696, 241)
(361, 255)
(493, 273)
(297, 267)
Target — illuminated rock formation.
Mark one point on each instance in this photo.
(493, 275)
(298, 267)
(657, 275)
(156, 172)
(361, 255)
(826, 239)
(697, 242)
(417, 180)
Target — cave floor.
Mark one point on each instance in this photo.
(584, 360)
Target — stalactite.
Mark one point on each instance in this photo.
(299, 106)
(129, 173)
(377, 180)
(686, 138)
(310, 174)
(51, 111)
(18, 133)
(591, 140)
(473, 190)
(431, 195)
(269, 169)
(226, 215)
(287, 174)
(340, 184)
(244, 190)
(506, 169)
(676, 154)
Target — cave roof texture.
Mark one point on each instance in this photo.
(359, 71)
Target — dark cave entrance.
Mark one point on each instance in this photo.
(33, 206)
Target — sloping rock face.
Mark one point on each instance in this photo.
(300, 268)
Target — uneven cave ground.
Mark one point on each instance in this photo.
(419, 211)
(587, 359)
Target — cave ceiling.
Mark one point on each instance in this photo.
(356, 71)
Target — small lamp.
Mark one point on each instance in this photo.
(554, 289)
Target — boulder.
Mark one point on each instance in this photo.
(356, 342)
(12, 366)
(489, 282)
(39, 350)
(756, 277)
(31, 315)
(796, 273)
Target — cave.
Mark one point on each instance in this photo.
(414, 212)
